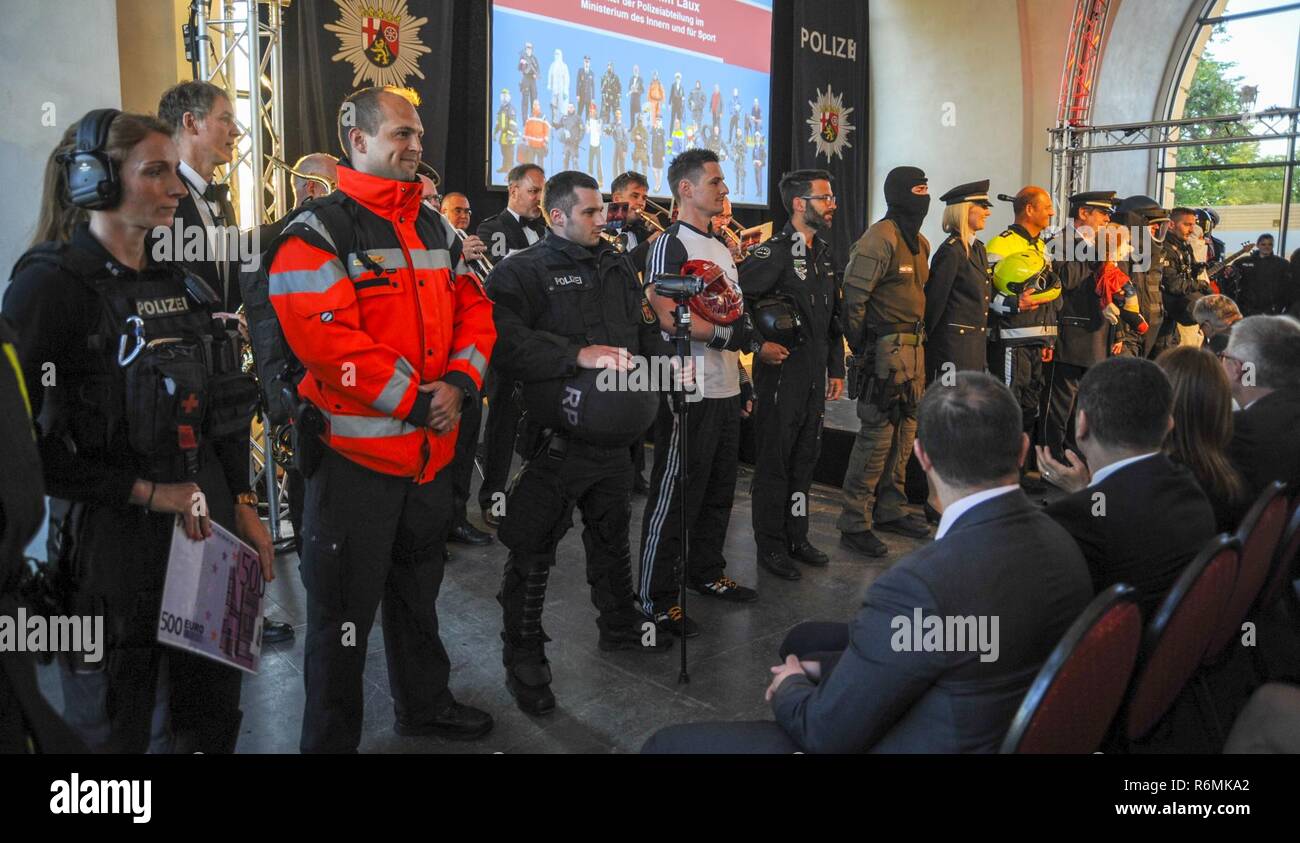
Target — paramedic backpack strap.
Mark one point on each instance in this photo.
(325, 224)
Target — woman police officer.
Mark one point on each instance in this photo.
(957, 292)
(142, 416)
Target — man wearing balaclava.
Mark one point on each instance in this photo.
(884, 315)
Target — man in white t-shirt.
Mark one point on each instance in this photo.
(713, 421)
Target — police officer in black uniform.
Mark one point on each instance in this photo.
(790, 396)
(143, 415)
(1085, 336)
(1143, 212)
(1265, 285)
(1179, 283)
(957, 291)
(570, 305)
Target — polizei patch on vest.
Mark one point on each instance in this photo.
(564, 282)
(163, 306)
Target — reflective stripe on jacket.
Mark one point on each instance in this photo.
(373, 311)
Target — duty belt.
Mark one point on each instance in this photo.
(909, 333)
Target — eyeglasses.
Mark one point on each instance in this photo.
(828, 198)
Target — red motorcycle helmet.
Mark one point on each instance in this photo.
(721, 302)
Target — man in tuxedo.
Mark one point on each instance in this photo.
(1262, 362)
(998, 569)
(1138, 518)
(520, 225)
(203, 125)
(517, 227)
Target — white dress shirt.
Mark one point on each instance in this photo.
(529, 234)
(1107, 470)
(962, 505)
(197, 185)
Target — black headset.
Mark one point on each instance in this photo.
(93, 180)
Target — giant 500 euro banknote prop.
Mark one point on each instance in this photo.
(212, 601)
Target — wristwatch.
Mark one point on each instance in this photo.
(246, 499)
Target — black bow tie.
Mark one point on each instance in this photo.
(217, 193)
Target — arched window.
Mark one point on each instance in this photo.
(1243, 57)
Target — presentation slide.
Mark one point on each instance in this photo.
(606, 86)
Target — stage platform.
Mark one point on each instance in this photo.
(607, 702)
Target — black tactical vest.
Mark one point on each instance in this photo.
(163, 375)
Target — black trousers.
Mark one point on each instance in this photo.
(638, 455)
(539, 511)
(713, 425)
(498, 439)
(788, 416)
(27, 722)
(1058, 429)
(371, 538)
(296, 487)
(462, 464)
(811, 641)
(1020, 367)
(120, 558)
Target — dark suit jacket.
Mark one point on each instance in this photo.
(1002, 558)
(1156, 518)
(1264, 446)
(505, 224)
(208, 270)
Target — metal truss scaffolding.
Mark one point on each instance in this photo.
(1078, 77)
(239, 49)
(1072, 145)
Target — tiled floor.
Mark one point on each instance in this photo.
(606, 701)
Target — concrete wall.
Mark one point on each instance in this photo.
(1143, 45)
(58, 60)
(965, 89)
(149, 43)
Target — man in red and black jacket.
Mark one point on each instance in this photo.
(395, 333)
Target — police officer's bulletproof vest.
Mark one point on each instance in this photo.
(899, 297)
(587, 309)
(164, 375)
(590, 305)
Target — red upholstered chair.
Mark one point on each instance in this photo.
(1284, 565)
(1177, 636)
(1277, 609)
(1081, 685)
(1259, 535)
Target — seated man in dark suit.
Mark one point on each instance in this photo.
(1262, 362)
(948, 640)
(1138, 518)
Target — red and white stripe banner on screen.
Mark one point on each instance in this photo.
(721, 29)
